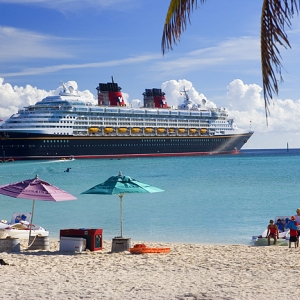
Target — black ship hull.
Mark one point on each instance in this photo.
(16, 147)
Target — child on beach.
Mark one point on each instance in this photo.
(293, 226)
(272, 232)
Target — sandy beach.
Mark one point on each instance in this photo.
(189, 271)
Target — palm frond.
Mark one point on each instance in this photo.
(178, 14)
(276, 16)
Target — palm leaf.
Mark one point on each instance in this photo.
(276, 16)
(178, 13)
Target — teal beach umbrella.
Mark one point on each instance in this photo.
(120, 185)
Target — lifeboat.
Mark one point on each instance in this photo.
(148, 130)
(193, 130)
(135, 130)
(181, 130)
(93, 129)
(122, 129)
(171, 130)
(143, 249)
(161, 130)
(108, 129)
(203, 130)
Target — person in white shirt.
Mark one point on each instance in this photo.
(297, 216)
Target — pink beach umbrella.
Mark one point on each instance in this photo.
(35, 189)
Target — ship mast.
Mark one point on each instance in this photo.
(185, 94)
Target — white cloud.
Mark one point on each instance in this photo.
(18, 44)
(243, 92)
(247, 104)
(17, 97)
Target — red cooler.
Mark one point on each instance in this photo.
(93, 236)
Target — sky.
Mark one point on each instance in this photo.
(86, 42)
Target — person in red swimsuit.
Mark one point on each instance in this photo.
(272, 232)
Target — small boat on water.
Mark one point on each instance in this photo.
(66, 159)
(19, 227)
(284, 236)
(143, 249)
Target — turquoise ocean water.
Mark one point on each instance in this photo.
(208, 199)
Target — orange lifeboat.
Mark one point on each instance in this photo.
(193, 130)
(160, 130)
(122, 129)
(203, 130)
(93, 129)
(108, 129)
(181, 130)
(148, 130)
(143, 249)
(135, 130)
(171, 130)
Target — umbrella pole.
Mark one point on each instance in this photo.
(31, 219)
(121, 221)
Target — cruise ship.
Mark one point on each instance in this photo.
(69, 126)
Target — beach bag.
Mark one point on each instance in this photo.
(292, 225)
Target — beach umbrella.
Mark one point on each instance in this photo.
(35, 189)
(121, 185)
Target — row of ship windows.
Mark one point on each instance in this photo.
(116, 116)
(146, 144)
(143, 116)
(130, 145)
(120, 120)
(56, 141)
(161, 141)
(133, 123)
(120, 123)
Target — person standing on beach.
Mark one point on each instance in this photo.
(297, 219)
(293, 225)
(272, 232)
